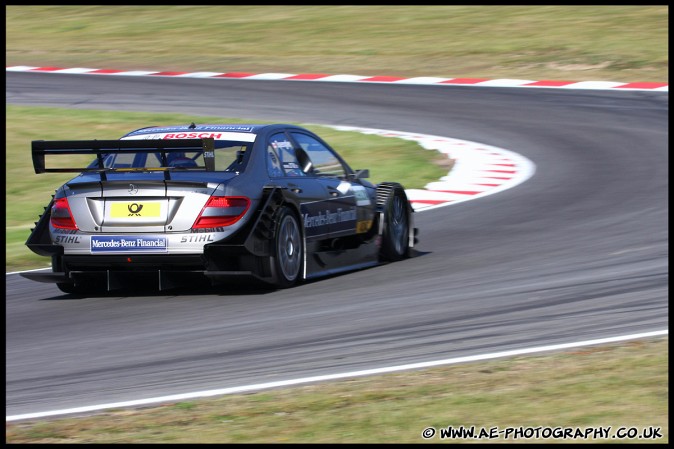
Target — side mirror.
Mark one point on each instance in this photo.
(361, 174)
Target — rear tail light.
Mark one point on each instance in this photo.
(61, 217)
(222, 211)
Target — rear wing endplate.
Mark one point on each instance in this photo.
(42, 148)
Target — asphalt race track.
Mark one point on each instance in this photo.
(577, 252)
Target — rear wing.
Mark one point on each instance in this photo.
(100, 148)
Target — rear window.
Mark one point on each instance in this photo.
(229, 156)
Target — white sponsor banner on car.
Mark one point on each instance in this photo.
(116, 244)
(241, 137)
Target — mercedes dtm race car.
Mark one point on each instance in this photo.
(163, 205)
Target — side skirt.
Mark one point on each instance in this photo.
(327, 262)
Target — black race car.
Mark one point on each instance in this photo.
(163, 205)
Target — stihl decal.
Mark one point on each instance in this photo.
(66, 239)
(196, 238)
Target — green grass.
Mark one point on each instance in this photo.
(615, 385)
(28, 193)
(616, 43)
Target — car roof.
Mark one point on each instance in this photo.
(193, 128)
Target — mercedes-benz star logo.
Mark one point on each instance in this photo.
(132, 189)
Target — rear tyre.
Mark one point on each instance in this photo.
(288, 252)
(395, 239)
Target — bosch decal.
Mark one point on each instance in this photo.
(192, 135)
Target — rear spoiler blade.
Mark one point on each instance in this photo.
(42, 148)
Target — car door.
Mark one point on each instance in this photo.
(347, 209)
(284, 170)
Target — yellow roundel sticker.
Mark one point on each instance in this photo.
(136, 209)
(363, 226)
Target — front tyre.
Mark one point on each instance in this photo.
(395, 239)
(288, 251)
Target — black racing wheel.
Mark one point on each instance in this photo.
(288, 252)
(396, 236)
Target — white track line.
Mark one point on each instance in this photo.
(313, 379)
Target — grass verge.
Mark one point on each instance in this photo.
(560, 42)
